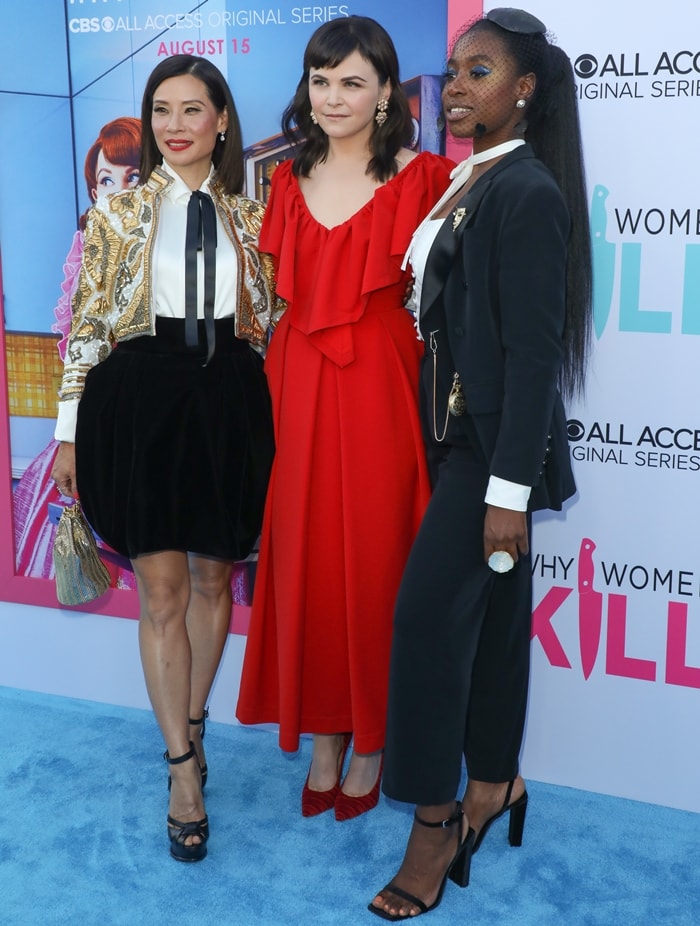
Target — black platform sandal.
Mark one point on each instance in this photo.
(178, 831)
(457, 870)
(200, 722)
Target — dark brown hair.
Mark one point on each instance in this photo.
(227, 156)
(331, 44)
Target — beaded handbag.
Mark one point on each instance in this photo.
(80, 573)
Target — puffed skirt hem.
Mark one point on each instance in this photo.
(172, 454)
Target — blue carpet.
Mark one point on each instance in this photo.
(82, 839)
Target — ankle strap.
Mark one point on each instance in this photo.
(450, 821)
(199, 722)
(509, 791)
(179, 759)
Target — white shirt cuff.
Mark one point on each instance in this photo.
(66, 421)
(504, 494)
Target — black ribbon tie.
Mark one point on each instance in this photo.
(200, 236)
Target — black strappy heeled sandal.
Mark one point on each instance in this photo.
(200, 722)
(516, 823)
(178, 831)
(457, 870)
(203, 769)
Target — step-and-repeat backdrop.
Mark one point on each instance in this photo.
(616, 617)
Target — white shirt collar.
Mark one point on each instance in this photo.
(459, 176)
(178, 191)
(465, 167)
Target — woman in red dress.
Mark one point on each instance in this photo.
(349, 483)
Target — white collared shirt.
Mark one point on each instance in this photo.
(169, 257)
(168, 275)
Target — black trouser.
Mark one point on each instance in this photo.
(461, 650)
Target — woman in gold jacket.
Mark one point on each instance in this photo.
(164, 415)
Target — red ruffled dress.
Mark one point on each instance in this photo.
(349, 482)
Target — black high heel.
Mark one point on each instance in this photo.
(200, 722)
(516, 823)
(458, 870)
(178, 831)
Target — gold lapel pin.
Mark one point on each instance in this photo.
(457, 217)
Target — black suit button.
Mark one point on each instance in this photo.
(459, 330)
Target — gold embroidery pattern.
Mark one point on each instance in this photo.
(113, 298)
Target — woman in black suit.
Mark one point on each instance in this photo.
(503, 280)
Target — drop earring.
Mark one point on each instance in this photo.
(222, 136)
(382, 106)
(313, 118)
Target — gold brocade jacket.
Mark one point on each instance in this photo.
(114, 298)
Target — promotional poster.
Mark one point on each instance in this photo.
(616, 613)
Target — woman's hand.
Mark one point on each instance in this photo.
(505, 530)
(63, 472)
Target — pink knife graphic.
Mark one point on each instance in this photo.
(590, 608)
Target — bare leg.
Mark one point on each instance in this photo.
(323, 774)
(324, 770)
(428, 856)
(362, 773)
(164, 591)
(208, 620)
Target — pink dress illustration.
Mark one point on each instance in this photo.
(36, 500)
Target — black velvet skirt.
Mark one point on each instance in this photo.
(171, 454)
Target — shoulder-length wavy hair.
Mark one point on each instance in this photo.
(331, 44)
(227, 156)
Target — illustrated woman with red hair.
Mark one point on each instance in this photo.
(111, 164)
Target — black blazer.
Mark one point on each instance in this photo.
(496, 282)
